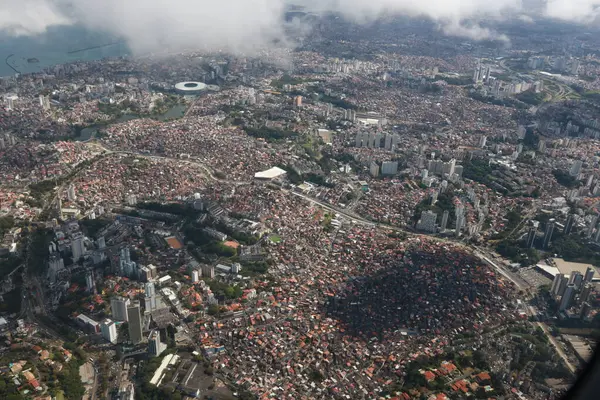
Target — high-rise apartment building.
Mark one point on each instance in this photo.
(549, 232)
(118, 306)
(77, 246)
(567, 298)
(134, 315)
(155, 346)
(109, 330)
(427, 221)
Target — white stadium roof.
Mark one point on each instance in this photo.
(271, 173)
(190, 87)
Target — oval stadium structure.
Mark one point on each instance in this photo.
(190, 87)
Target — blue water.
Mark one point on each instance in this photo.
(52, 48)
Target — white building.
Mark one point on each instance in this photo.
(195, 276)
(164, 280)
(109, 330)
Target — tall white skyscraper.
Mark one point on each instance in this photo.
(77, 246)
(119, 307)
(109, 330)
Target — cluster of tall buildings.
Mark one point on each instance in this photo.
(499, 88)
(44, 102)
(125, 310)
(574, 290)
(373, 140)
(536, 62)
(439, 167)
(533, 230)
(481, 74)
(388, 168)
(350, 115)
(428, 221)
(593, 228)
(131, 269)
(126, 266)
(560, 64)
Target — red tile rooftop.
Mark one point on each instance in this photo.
(429, 376)
(484, 376)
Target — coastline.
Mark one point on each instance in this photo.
(57, 47)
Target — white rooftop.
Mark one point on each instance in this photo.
(271, 173)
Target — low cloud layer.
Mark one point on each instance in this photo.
(244, 25)
(582, 11)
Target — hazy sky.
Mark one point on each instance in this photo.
(246, 24)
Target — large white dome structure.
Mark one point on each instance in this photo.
(190, 87)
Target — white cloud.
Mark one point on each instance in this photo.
(584, 11)
(29, 17)
(244, 25)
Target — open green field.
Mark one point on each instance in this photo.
(275, 238)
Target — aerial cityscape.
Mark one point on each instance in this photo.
(400, 208)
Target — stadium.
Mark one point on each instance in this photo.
(190, 87)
